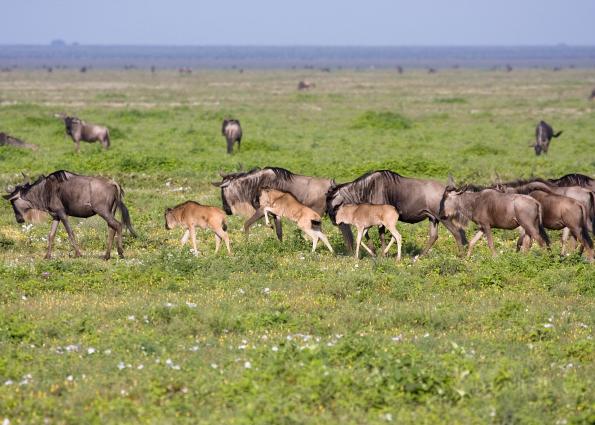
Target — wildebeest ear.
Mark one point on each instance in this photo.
(450, 183)
(333, 184)
(7, 196)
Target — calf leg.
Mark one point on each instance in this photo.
(458, 233)
(51, 236)
(185, 237)
(358, 241)
(396, 236)
(193, 236)
(217, 243)
(324, 240)
(473, 241)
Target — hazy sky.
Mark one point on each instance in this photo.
(305, 22)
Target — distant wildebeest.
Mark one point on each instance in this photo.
(79, 131)
(431, 71)
(364, 216)
(400, 69)
(305, 85)
(239, 192)
(63, 194)
(232, 131)
(490, 208)
(559, 212)
(284, 204)
(191, 214)
(415, 200)
(592, 95)
(543, 136)
(8, 140)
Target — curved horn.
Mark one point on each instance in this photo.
(451, 181)
(498, 179)
(26, 177)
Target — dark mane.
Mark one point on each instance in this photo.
(573, 179)
(522, 182)
(472, 188)
(60, 175)
(281, 173)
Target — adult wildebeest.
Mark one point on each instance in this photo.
(305, 85)
(490, 208)
(574, 179)
(592, 95)
(232, 131)
(79, 130)
(414, 199)
(559, 212)
(240, 192)
(63, 194)
(8, 140)
(543, 136)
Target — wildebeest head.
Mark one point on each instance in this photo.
(22, 207)
(451, 206)
(71, 123)
(170, 221)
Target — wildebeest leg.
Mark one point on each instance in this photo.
(217, 243)
(458, 233)
(193, 236)
(55, 224)
(258, 214)
(369, 244)
(110, 240)
(114, 228)
(347, 236)
(77, 146)
(358, 241)
(396, 236)
(77, 252)
(324, 240)
(488, 232)
(229, 146)
(185, 237)
(519, 243)
(363, 245)
(223, 235)
(433, 235)
(381, 232)
(473, 241)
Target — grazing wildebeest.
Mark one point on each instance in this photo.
(305, 85)
(239, 192)
(414, 199)
(79, 130)
(191, 214)
(490, 208)
(232, 131)
(284, 204)
(559, 212)
(543, 136)
(364, 216)
(63, 194)
(7, 139)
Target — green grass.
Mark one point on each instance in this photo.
(275, 334)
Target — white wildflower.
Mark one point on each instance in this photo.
(194, 348)
(131, 318)
(8, 382)
(387, 417)
(190, 305)
(548, 325)
(275, 348)
(266, 291)
(214, 365)
(247, 365)
(121, 365)
(70, 378)
(91, 350)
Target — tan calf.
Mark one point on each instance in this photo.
(283, 204)
(192, 214)
(364, 216)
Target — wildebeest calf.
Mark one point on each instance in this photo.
(284, 204)
(79, 130)
(63, 194)
(191, 214)
(543, 136)
(232, 131)
(364, 216)
(489, 209)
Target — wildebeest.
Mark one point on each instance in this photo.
(560, 212)
(190, 214)
(63, 194)
(574, 179)
(592, 95)
(305, 85)
(79, 130)
(543, 136)
(490, 208)
(364, 216)
(284, 204)
(415, 200)
(232, 131)
(8, 140)
(240, 192)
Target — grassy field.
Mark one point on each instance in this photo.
(275, 334)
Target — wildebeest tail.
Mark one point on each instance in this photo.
(224, 225)
(316, 224)
(590, 215)
(584, 230)
(557, 134)
(124, 211)
(542, 231)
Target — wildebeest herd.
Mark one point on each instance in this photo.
(378, 198)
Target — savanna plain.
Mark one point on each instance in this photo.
(276, 334)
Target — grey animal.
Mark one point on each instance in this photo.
(240, 192)
(63, 194)
(543, 136)
(305, 85)
(232, 130)
(562, 212)
(592, 95)
(490, 208)
(415, 200)
(8, 140)
(79, 130)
